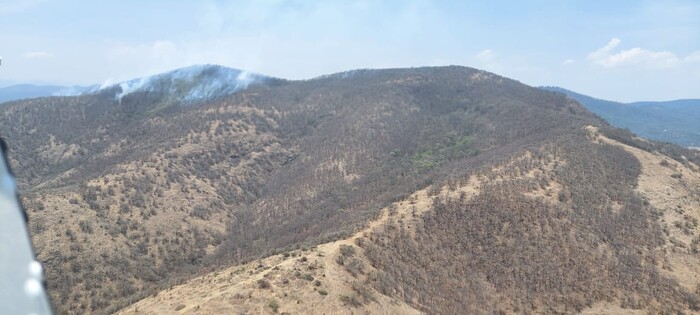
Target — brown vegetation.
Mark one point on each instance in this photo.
(129, 196)
(504, 250)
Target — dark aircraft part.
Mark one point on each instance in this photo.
(21, 281)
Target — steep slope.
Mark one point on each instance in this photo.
(568, 231)
(554, 241)
(437, 252)
(328, 278)
(674, 189)
(122, 194)
(131, 192)
(672, 121)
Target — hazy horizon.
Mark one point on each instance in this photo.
(623, 51)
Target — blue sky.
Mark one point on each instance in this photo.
(620, 50)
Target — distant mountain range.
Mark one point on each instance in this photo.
(672, 121)
(22, 91)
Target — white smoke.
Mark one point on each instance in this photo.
(199, 82)
(129, 87)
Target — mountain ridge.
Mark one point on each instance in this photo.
(192, 83)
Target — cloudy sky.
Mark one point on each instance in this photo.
(623, 50)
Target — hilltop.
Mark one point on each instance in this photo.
(197, 83)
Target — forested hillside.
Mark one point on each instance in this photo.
(128, 195)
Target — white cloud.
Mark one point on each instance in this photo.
(37, 54)
(609, 58)
(694, 57)
(567, 62)
(603, 52)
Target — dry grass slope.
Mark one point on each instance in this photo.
(555, 230)
(330, 278)
(351, 282)
(674, 189)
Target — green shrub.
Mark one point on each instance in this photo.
(273, 305)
